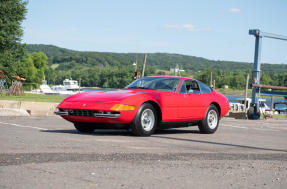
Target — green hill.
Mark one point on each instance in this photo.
(65, 59)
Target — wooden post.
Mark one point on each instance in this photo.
(269, 87)
(144, 63)
(246, 92)
(210, 83)
(214, 84)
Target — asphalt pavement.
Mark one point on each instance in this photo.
(47, 152)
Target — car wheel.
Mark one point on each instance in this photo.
(84, 127)
(210, 122)
(145, 122)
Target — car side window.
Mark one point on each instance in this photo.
(204, 88)
(168, 84)
(189, 86)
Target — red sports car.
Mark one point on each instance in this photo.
(147, 104)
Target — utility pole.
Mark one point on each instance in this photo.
(136, 63)
(144, 63)
(210, 83)
(80, 84)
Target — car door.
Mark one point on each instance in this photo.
(166, 91)
(191, 102)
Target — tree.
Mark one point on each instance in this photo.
(33, 68)
(12, 13)
(41, 64)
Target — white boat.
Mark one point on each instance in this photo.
(46, 89)
(69, 87)
(239, 105)
(43, 89)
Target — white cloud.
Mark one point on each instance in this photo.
(189, 27)
(185, 27)
(235, 11)
(174, 26)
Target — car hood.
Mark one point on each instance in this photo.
(102, 96)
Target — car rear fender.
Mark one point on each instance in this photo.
(218, 107)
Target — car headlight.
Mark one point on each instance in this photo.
(122, 107)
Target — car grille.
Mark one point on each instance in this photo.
(91, 113)
(88, 113)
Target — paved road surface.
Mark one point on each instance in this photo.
(46, 152)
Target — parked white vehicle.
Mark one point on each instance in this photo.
(239, 105)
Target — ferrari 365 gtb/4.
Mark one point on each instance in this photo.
(147, 104)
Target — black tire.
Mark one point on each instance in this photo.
(84, 127)
(251, 113)
(145, 122)
(210, 122)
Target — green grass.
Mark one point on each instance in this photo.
(234, 92)
(32, 98)
(240, 92)
(279, 116)
(54, 66)
(164, 71)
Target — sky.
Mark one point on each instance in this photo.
(212, 29)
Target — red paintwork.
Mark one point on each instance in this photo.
(174, 106)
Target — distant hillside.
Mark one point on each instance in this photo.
(68, 59)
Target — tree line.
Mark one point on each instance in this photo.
(111, 77)
(109, 69)
(237, 80)
(63, 59)
(119, 77)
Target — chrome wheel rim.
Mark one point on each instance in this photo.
(212, 119)
(147, 120)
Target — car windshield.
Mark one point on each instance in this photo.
(155, 83)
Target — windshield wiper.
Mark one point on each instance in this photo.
(137, 87)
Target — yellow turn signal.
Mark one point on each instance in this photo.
(122, 107)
